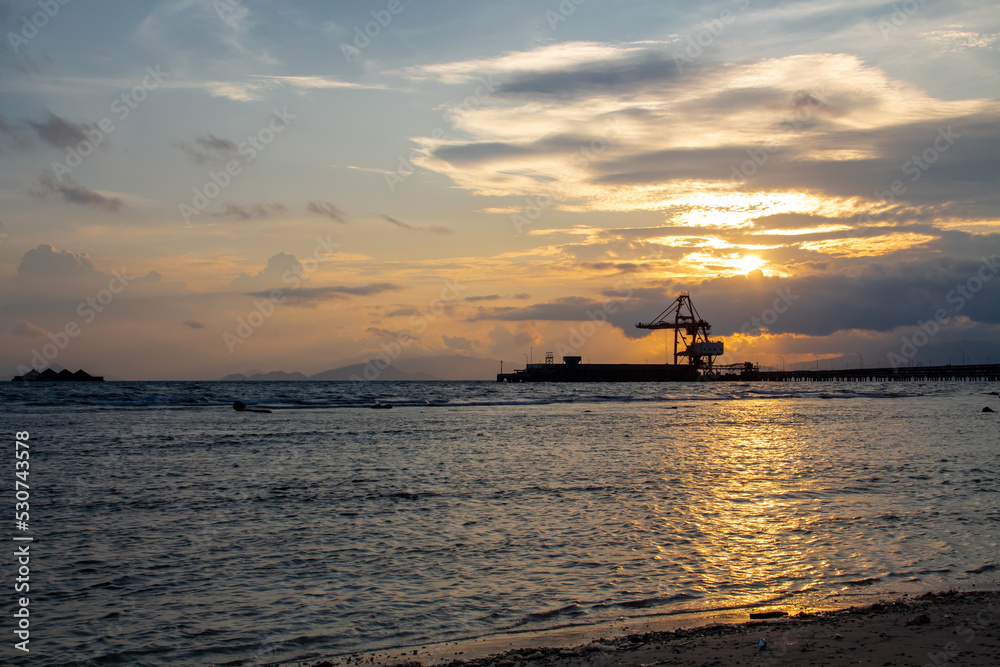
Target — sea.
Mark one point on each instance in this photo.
(169, 528)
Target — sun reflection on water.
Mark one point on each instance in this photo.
(742, 516)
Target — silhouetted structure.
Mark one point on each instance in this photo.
(691, 341)
(49, 375)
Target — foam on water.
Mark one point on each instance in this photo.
(172, 529)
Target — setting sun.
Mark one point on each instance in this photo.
(749, 263)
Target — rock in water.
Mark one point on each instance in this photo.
(240, 406)
(988, 409)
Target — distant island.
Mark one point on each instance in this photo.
(49, 375)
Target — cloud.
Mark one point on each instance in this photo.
(615, 128)
(281, 270)
(520, 65)
(59, 133)
(457, 343)
(193, 324)
(327, 209)
(28, 330)
(570, 308)
(70, 192)
(309, 297)
(496, 297)
(258, 86)
(44, 262)
(209, 149)
(876, 297)
(402, 225)
(251, 211)
(960, 40)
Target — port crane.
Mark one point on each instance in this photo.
(690, 333)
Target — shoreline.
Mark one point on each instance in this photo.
(935, 629)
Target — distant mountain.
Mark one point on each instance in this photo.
(443, 367)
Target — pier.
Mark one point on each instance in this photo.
(979, 372)
(747, 372)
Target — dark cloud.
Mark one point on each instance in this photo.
(28, 330)
(44, 262)
(208, 149)
(966, 170)
(434, 229)
(877, 297)
(618, 75)
(572, 308)
(496, 297)
(620, 267)
(251, 211)
(313, 296)
(193, 324)
(59, 133)
(69, 191)
(327, 209)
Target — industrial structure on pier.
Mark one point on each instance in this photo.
(694, 359)
(691, 342)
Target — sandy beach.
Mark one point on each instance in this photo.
(935, 629)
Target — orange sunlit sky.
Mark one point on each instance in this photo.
(193, 188)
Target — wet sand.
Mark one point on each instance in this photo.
(935, 629)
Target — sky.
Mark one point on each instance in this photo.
(192, 188)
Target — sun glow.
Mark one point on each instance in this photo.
(749, 263)
(733, 264)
